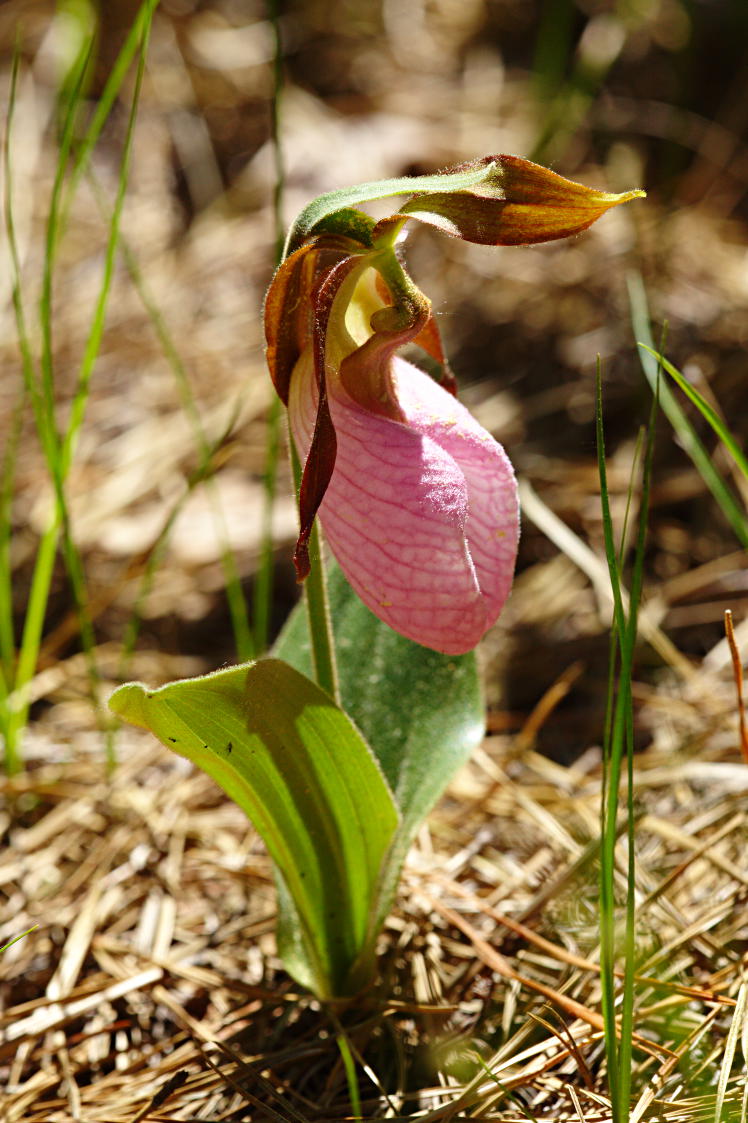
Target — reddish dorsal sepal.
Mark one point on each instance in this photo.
(320, 460)
(288, 305)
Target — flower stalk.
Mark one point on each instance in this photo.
(319, 617)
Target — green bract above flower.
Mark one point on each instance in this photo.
(528, 204)
(418, 502)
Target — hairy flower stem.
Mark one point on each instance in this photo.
(318, 610)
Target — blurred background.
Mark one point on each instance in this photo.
(166, 490)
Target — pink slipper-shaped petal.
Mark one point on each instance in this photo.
(421, 513)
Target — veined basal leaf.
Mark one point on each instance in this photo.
(422, 712)
(299, 768)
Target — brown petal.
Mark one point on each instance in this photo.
(320, 460)
(288, 304)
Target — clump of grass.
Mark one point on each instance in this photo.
(618, 750)
(58, 445)
(19, 657)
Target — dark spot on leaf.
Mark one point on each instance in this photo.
(172, 739)
(229, 747)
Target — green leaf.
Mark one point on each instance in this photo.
(421, 712)
(293, 761)
(345, 197)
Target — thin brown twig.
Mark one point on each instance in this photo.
(737, 670)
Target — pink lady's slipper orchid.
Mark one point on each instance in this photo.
(418, 502)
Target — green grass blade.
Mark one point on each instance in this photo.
(705, 410)
(58, 449)
(73, 99)
(79, 18)
(80, 398)
(553, 47)
(237, 604)
(619, 739)
(19, 937)
(629, 500)
(737, 1028)
(611, 778)
(27, 362)
(138, 37)
(93, 341)
(140, 29)
(53, 446)
(730, 506)
(279, 169)
(611, 552)
(565, 101)
(627, 660)
(7, 636)
(155, 555)
(349, 1065)
(33, 626)
(16, 705)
